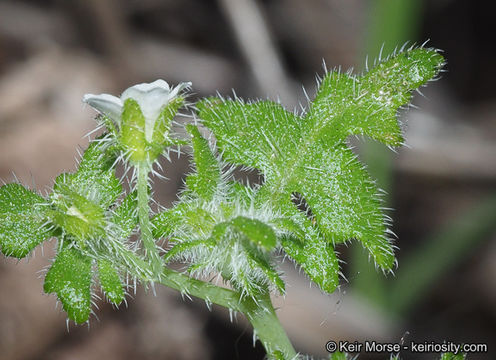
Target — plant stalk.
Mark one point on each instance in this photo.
(260, 313)
(267, 327)
(144, 220)
(184, 284)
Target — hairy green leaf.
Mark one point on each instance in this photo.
(22, 216)
(77, 215)
(185, 214)
(213, 240)
(259, 135)
(308, 154)
(344, 200)
(166, 222)
(95, 179)
(208, 173)
(181, 248)
(80, 199)
(110, 281)
(255, 231)
(368, 104)
(70, 278)
(258, 261)
(305, 245)
(317, 258)
(125, 217)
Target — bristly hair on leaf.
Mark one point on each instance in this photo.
(215, 229)
(308, 154)
(82, 213)
(23, 220)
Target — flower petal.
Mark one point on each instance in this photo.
(109, 105)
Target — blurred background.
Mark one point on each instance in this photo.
(442, 186)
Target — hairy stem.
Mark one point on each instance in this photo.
(144, 219)
(267, 327)
(178, 281)
(260, 313)
(204, 290)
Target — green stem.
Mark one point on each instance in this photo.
(267, 328)
(204, 290)
(178, 281)
(261, 313)
(144, 219)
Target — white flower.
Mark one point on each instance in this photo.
(151, 97)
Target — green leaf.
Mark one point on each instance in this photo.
(368, 104)
(22, 215)
(95, 179)
(308, 247)
(255, 231)
(110, 281)
(242, 194)
(344, 200)
(309, 155)
(316, 257)
(125, 215)
(70, 278)
(166, 222)
(290, 225)
(183, 214)
(80, 199)
(252, 134)
(180, 248)
(202, 242)
(219, 231)
(197, 219)
(77, 215)
(257, 261)
(208, 173)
